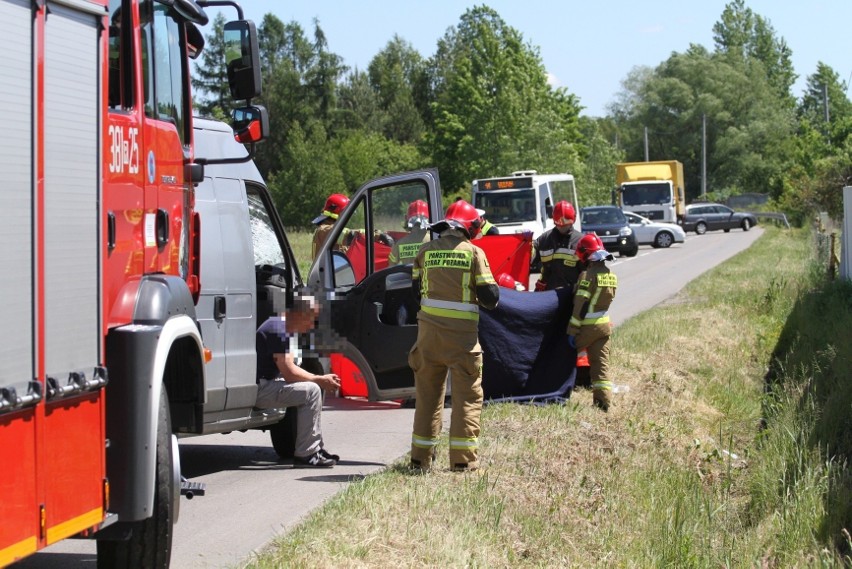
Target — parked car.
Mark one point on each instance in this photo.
(609, 222)
(657, 234)
(704, 217)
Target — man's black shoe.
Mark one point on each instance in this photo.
(326, 454)
(316, 460)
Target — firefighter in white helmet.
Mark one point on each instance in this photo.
(589, 326)
(452, 278)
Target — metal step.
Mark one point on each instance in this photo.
(191, 489)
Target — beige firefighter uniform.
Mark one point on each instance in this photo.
(321, 234)
(589, 324)
(449, 270)
(405, 249)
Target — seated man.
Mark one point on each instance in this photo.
(282, 383)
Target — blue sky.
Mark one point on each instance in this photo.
(588, 47)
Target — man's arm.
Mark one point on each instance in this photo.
(293, 373)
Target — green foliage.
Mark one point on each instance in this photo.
(481, 106)
(492, 111)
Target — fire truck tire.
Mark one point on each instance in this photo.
(283, 434)
(150, 543)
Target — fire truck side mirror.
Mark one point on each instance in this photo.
(250, 124)
(242, 59)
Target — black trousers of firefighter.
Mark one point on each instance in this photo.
(438, 350)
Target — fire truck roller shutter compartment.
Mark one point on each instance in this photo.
(71, 278)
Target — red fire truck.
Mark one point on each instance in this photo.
(101, 359)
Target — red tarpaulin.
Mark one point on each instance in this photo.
(508, 254)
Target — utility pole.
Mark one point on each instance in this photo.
(646, 144)
(703, 155)
(825, 101)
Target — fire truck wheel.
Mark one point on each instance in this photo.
(150, 543)
(283, 434)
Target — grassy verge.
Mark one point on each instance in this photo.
(729, 449)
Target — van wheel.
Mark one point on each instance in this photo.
(150, 543)
(283, 434)
(701, 228)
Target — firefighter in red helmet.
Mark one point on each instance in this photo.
(405, 249)
(334, 205)
(555, 249)
(589, 326)
(452, 278)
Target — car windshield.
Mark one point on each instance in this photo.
(646, 194)
(507, 207)
(609, 215)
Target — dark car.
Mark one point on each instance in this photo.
(611, 225)
(704, 217)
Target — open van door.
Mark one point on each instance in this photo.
(367, 301)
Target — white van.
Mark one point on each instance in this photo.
(524, 201)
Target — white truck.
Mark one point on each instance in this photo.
(524, 201)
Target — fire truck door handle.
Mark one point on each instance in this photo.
(111, 231)
(11, 401)
(162, 227)
(219, 309)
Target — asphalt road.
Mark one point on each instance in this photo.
(251, 497)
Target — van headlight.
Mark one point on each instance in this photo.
(625, 231)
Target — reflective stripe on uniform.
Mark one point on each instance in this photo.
(576, 322)
(596, 314)
(450, 309)
(424, 442)
(561, 253)
(602, 320)
(584, 293)
(602, 385)
(463, 443)
(485, 279)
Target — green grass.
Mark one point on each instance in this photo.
(730, 448)
(300, 241)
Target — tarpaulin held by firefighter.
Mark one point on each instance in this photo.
(526, 355)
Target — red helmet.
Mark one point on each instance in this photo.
(563, 213)
(418, 214)
(462, 215)
(505, 280)
(332, 208)
(591, 248)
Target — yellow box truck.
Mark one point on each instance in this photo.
(655, 190)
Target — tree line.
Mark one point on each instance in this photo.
(481, 106)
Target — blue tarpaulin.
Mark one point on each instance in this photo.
(526, 356)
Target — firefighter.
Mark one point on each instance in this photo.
(452, 278)
(589, 326)
(487, 228)
(555, 250)
(335, 204)
(405, 249)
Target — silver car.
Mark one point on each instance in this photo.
(655, 233)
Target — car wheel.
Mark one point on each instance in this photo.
(701, 228)
(663, 240)
(632, 252)
(727, 230)
(746, 225)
